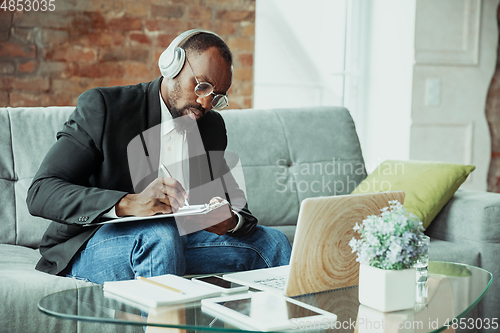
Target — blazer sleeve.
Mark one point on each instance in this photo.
(62, 189)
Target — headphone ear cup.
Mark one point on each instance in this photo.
(172, 59)
(171, 62)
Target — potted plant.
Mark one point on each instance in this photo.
(387, 250)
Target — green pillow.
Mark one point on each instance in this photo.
(428, 186)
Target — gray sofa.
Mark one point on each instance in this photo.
(284, 154)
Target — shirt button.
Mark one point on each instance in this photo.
(169, 149)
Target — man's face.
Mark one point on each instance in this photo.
(178, 93)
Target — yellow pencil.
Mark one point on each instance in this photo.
(159, 284)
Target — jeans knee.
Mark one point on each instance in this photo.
(275, 245)
(275, 237)
(160, 249)
(163, 236)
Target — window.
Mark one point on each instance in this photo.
(306, 54)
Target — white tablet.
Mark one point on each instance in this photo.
(266, 311)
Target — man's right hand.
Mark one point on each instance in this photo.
(162, 196)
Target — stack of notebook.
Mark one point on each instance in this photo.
(158, 291)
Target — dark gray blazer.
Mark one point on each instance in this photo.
(86, 172)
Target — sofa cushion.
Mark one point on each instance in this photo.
(428, 186)
(454, 252)
(6, 160)
(291, 154)
(22, 287)
(7, 212)
(25, 137)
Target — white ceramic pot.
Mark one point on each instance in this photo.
(387, 290)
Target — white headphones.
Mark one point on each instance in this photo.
(172, 59)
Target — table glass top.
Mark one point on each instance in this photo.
(454, 290)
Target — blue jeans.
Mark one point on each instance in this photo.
(123, 251)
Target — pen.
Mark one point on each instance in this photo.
(168, 174)
(140, 278)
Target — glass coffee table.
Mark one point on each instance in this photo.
(454, 290)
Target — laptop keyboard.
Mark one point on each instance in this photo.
(274, 282)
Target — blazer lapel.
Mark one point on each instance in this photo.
(153, 116)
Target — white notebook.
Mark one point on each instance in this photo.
(150, 295)
(183, 211)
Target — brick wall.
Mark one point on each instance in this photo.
(493, 118)
(50, 58)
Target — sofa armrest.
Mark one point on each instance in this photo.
(472, 216)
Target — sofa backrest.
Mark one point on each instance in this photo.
(286, 155)
(291, 154)
(26, 134)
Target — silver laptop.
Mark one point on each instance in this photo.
(321, 256)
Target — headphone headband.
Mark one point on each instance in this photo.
(172, 59)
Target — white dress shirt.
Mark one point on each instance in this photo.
(174, 149)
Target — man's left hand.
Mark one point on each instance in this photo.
(219, 220)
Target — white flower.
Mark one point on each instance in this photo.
(353, 244)
(394, 254)
(389, 240)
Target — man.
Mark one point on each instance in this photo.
(88, 174)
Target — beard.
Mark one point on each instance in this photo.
(182, 122)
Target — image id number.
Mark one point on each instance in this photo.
(28, 5)
(471, 323)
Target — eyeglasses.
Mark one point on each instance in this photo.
(204, 89)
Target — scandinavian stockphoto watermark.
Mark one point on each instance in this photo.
(332, 177)
(318, 177)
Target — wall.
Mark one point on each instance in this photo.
(51, 57)
(430, 64)
(455, 57)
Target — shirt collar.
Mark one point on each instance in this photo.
(167, 124)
